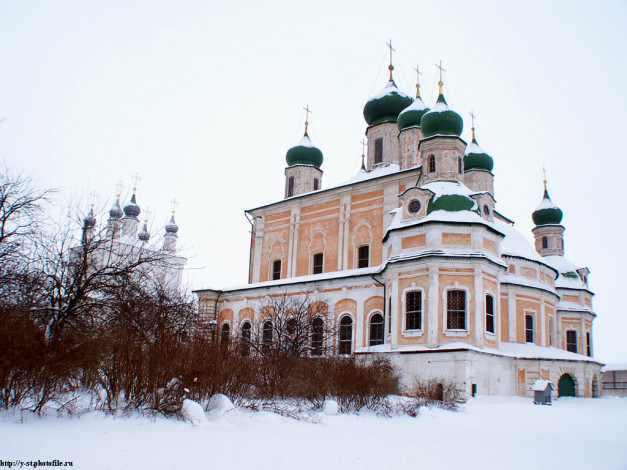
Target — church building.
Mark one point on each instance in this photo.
(416, 262)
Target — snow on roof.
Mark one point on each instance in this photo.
(453, 252)
(305, 141)
(417, 105)
(540, 385)
(568, 278)
(546, 203)
(442, 188)
(389, 89)
(310, 278)
(516, 350)
(614, 367)
(467, 217)
(573, 307)
(438, 107)
(525, 281)
(515, 244)
(368, 175)
(473, 148)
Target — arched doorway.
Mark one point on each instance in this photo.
(566, 386)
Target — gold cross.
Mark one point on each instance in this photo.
(418, 74)
(119, 186)
(174, 204)
(441, 69)
(307, 111)
(472, 117)
(137, 178)
(93, 197)
(389, 44)
(363, 147)
(544, 173)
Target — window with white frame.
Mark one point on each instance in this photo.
(456, 309)
(571, 341)
(489, 313)
(345, 342)
(276, 269)
(363, 256)
(529, 325)
(317, 336)
(376, 329)
(413, 310)
(318, 263)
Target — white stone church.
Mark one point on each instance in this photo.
(416, 262)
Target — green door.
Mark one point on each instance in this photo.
(566, 386)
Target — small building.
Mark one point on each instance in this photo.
(614, 380)
(542, 392)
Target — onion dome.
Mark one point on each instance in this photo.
(171, 228)
(547, 213)
(144, 235)
(116, 211)
(132, 209)
(476, 158)
(412, 115)
(386, 105)
(304, 153)
(441, 120)
(451, 203)
(90, 220)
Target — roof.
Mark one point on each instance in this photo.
(540, 385)
(614, 367)
(568, 278)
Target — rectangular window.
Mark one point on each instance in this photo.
(378, 150)
(588, 345)
(529, 328)
(276, 269)
(389, 315)
(316, 184)
(489, 314)
(363, 256)
(318, 263)
(456, 310)
(413, 310)
(290, 186)
(571, 341)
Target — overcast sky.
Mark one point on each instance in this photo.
(203, 99)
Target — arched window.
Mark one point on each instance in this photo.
(459, 164)
(376, 329)
(225, 333)
(346, 335)
(571, 341)
(316, 184)
(318, 263)
(276, 269)
(266, 335)
(363, 256)
(489, 313)
(413, 310)
(551, 328)
(246, 332)
(588, 344)
(486, 211)
(528, 328)
(456, 310)
(290, 186)
(317, 336)
(545, 242)
(431, 164)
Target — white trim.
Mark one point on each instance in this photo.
(533, 313)
(368, 324)
(339, 325)
(455, 332)
(414, 332)
(487, 333)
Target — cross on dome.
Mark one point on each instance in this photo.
(390, 67)
(136, 178)
(472, 117)
(418, 74)
(440, 83)
(307, 111)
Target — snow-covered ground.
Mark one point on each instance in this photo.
(488, 433)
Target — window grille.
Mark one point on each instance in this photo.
(456, 310)
(413, 310)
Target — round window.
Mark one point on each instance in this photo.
(414, 206)
(486, 211)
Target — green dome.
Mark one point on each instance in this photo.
(547, 213)
(476, 158)
(451, 203)
(386, 105)
(411, 116)
(441, 120)
(304, 153)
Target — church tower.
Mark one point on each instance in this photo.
(130, 222)
(303, 173)
(409, 127)
(478, 166)
(381, 114)
(548, 232)
(441, 146)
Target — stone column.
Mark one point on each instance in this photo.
(433, 313)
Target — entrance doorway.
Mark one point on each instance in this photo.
(566, 386)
